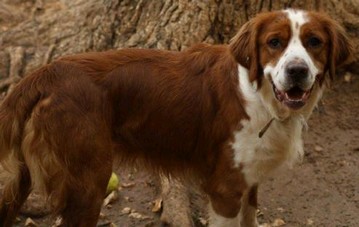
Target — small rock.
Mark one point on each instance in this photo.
(126, 210)
(318, 148)
(310, 221)
(30, 223)
(280, 209)
(278, 222)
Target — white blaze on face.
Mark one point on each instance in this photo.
(295, 51)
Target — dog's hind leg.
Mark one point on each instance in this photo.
(14, 195)
(87, 167)
(82, 197)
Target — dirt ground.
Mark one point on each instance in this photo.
(321, 191)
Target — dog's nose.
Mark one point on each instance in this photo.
(297, 70)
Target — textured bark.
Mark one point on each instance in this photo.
(51, 28)
(34, 32)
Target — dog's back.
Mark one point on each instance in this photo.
(61, 124)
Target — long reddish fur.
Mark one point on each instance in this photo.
(173, 111)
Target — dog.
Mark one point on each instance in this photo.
(224, 115)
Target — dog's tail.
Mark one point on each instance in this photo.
(16, 109)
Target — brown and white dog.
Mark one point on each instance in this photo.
(193, 114)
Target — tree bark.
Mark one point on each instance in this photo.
(49, 29)
(34, 32)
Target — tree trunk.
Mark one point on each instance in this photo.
(47, 29)
(34, 32)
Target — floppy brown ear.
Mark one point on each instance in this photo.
(244, 48)
(341, 48)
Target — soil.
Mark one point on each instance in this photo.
(321, 191)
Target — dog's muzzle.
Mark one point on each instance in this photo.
(296, 91)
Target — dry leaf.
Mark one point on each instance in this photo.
(203, 221)
(113, 196)
(128, 185)
(310, 221)
(259, 213)
(278, 222)
(58, 222)
(348, 77)
(135, 215)
(30, 223)
(126, 210)
(265, 225)
(157, 205)
(102, 216)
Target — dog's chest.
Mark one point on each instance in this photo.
(258, 157)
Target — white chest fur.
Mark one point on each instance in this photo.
(281, 144)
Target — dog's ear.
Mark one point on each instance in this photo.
(341, 48)
(244, 48)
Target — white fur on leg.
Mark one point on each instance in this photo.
(216, 220)
(248, 214)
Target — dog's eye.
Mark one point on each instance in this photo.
(314, 42)
(274, 43)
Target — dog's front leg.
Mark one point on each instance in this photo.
(247, 216)
(248, 212)
(226, 186)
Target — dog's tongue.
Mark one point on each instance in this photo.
(295, 94)
(294, 98)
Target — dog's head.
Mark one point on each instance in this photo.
(289, 54)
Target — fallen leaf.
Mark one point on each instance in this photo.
(58, 222)
(310, 221)
(137, 215)
(128, 185)
(102, 216)
(113, 196)
(157, 205)
(259, 213)
(126, 210)
(265, 225)
(278, 222)
(203, 221)
(348, 77)
(30, 223)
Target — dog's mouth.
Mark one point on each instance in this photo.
(294, 98)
